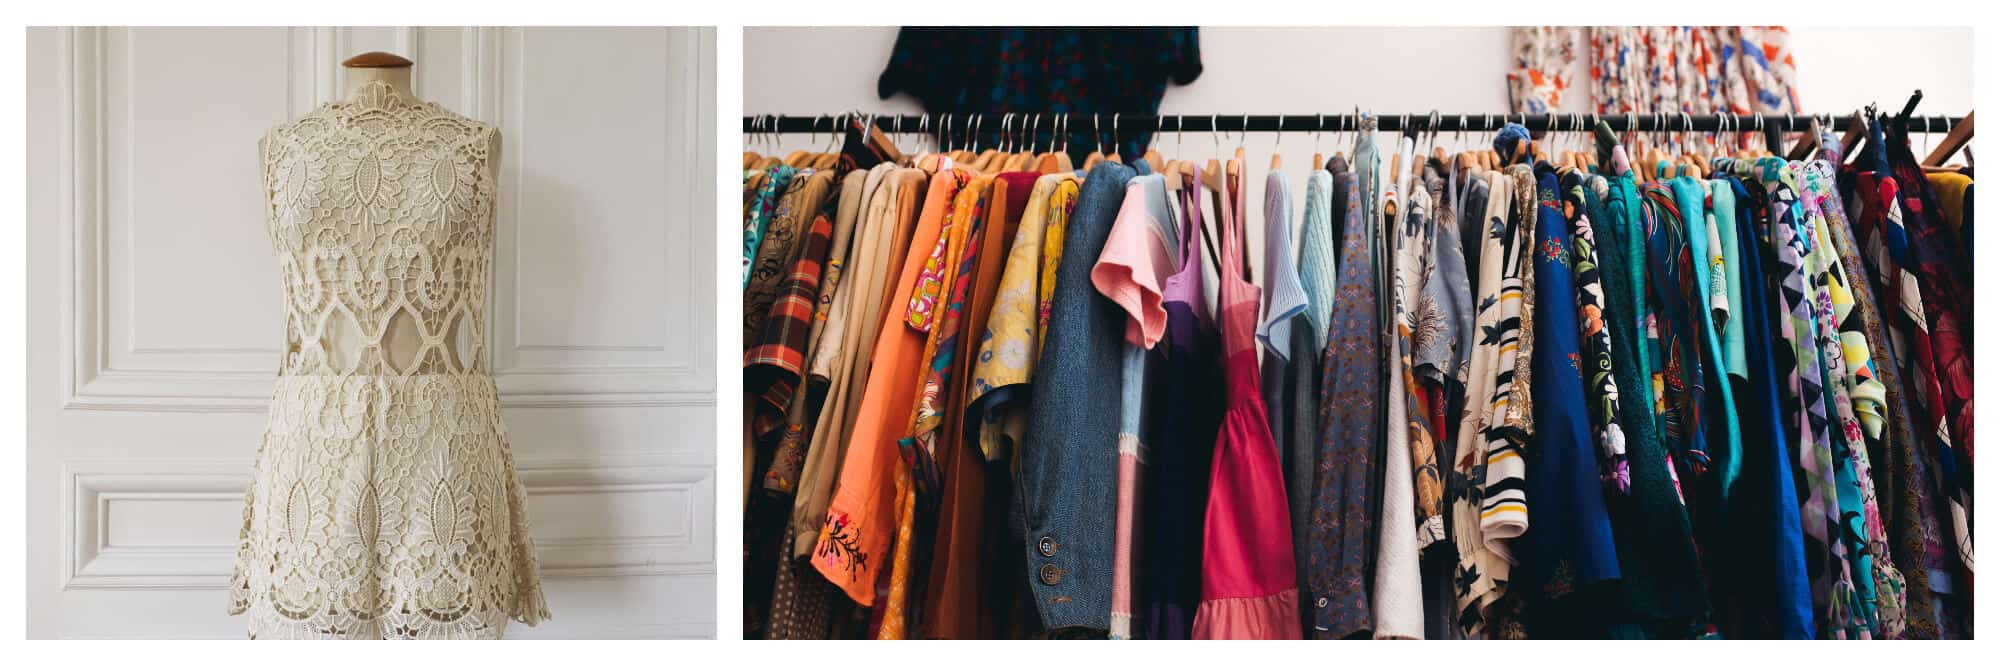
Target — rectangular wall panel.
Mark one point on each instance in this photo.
(174, 525)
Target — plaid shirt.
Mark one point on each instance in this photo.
(773, 365)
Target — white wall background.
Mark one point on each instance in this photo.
(805, 71)
(156, 319)
(1327, 70)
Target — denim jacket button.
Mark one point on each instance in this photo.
(1321, 603)
(1047, 546)
(1051, 575)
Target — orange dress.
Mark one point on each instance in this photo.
(854, 540)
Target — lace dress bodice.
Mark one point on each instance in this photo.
(381, 214)
(385, 502)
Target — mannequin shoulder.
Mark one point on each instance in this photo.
(469, 130)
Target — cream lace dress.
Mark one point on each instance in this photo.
(385, 503)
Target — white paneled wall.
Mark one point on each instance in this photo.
(155, 321)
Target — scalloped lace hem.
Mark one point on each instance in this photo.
(270, 624)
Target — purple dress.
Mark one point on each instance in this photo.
(1176, 489)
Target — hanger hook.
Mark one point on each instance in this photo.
(1319, 128)
(1214, 131)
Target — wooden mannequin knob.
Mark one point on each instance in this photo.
(377, 59)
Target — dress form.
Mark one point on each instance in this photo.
(391, 70)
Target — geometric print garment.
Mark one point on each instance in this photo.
(1800, 368)
(384, 502)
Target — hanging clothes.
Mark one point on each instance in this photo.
(1344, 479)
(1573, 553)
(1248, 588)
(1132, 272)
(1066, 493)
(860, 521)
(1009, 404)
(1176, 492)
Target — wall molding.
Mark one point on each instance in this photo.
(496, 88)
(189, 379)
(89, 488)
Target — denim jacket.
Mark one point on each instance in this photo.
(1066, 495)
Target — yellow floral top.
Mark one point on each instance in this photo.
(1012, 339)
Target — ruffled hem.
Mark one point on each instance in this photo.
(1270, 617)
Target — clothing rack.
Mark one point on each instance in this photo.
(1343, 122)
(955, 125)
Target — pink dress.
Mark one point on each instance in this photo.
(1248, 585)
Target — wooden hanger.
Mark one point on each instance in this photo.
(827, 160)
(1236, 165)
(1017, 158)
(1808, 142)
(1185, 168)
(1318, 162)
(1114, 156)
(1566, 157)
(982, 160)
(1212, 174)
(801, 158)
(1954, 140)
(1278, 146)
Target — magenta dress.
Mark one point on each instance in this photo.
(1248, 585)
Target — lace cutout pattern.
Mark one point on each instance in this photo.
(385, 502)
